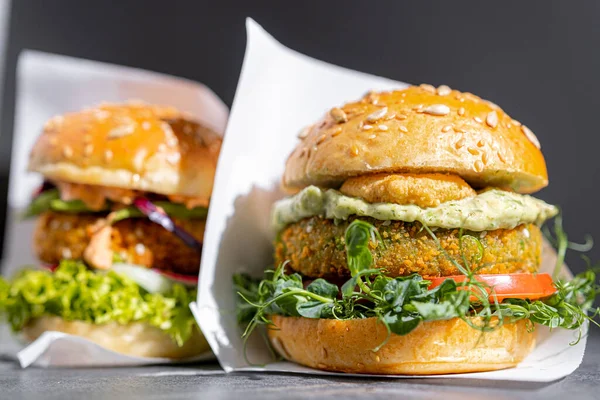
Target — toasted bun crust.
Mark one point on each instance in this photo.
(135, 339)
(133, 146)
(418, 130)
(440, 347)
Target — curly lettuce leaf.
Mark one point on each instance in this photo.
(74, 292)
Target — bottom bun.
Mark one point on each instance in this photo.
(134, 339)
(438, 347)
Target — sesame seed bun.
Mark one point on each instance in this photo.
(133, 146)
(439, 347)
(418, 130)
(135, 339)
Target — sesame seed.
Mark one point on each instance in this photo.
(304, 132)
(135, 178)
(336, 131)
(372, 98)
(459, 144)
(508, 125)
(173, 158)
(501, 157)
(120, 131)
(377, 115)
(382, 127)
(67, 151)
(401, 117)
(473, 150)
(481, 143)
(162, 147)
(146, 125)
(443, 90)
(478, 166)
(427, 88)
(477, 119)
(354, 150)
(321, 139)
(461, 111)
(492, 119)
(172, 141)
(108, 155)
(485, 157)
(373, 136)
(437, 109)
(88, 149)
(390, 116)
(403, 94)
(367, 127)
(403, 128)
(531, 136)
(516, 123)
(338, 115)
(462, 99)
(446, 128)
(140, 249)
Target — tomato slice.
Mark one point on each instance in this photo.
(509, 286)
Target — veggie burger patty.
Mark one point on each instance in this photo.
(315, 248)
(138, 241)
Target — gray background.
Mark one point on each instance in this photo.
(539, 60)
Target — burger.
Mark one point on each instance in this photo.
(120, 225)
(410, 244)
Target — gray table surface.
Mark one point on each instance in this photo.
(160, 382)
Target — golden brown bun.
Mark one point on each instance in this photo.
(440, 347)
(134, 146)
(135, 339)
(418, 130)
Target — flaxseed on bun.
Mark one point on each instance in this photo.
(420, 129)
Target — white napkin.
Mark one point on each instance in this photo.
(48, 85)
(280, 91)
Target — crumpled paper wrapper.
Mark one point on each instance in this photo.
(48, 85)
(280, 91)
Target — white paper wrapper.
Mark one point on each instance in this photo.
(48, 85)
(279, 92)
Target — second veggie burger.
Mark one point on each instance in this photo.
(120, 230)
(411, 245)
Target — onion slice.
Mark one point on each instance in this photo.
(187, 280)
(159, 217)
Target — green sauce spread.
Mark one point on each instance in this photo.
(489, 210)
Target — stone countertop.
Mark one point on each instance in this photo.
(207, 381)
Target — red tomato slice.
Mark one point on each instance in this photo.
(509, 286)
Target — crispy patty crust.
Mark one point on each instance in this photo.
(136, 240)
(315, 248)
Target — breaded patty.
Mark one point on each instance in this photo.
(424, 190)
(315, 248)
(136, 240)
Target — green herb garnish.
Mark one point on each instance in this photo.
(75, 293)
(402, 303)
(50, 200)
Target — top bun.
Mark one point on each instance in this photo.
(133, 146)
(420, 129)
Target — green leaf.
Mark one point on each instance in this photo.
(315, 309)
(401, 324)
(322, 287)
(73, 292)
(41, 203)
(433, 312)
(357, 237)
